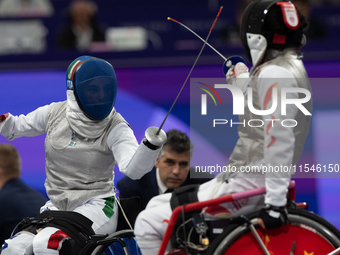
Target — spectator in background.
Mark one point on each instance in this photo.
(82, 28)
(17, 200)
(171, 171)
(26, 8)
(315, 29)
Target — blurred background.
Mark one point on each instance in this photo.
(152, 57)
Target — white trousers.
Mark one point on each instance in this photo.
(151, 223)
(103, 213)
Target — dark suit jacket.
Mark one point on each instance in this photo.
(66, 38)
(17, 201)
(146, 187)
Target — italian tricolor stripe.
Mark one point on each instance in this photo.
(72, 69)
(109, 204)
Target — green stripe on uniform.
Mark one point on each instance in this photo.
(109, 204)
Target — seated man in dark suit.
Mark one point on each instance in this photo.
(17, 200)
(171, 171)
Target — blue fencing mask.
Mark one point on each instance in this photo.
(94, 85)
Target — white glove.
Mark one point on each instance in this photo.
(235, 71)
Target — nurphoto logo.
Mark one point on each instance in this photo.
(272, 95)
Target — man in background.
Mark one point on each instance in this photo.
(82, 28)
(17, 200)
(171, 171)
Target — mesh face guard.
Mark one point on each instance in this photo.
(94, 84)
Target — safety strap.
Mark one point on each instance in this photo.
(184, 195)
(77, 226)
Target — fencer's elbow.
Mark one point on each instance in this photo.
(133, 175)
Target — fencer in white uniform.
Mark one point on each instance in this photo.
(85, 138)
(272, 36)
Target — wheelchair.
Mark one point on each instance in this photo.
(120, 242)
(306, 233)
(86, 242)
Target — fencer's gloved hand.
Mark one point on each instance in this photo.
(272, 217)
(235, 71)
(152, 140)
(3, 117)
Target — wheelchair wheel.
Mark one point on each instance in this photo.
(117, 249)
(306, 233)
(114, 243)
